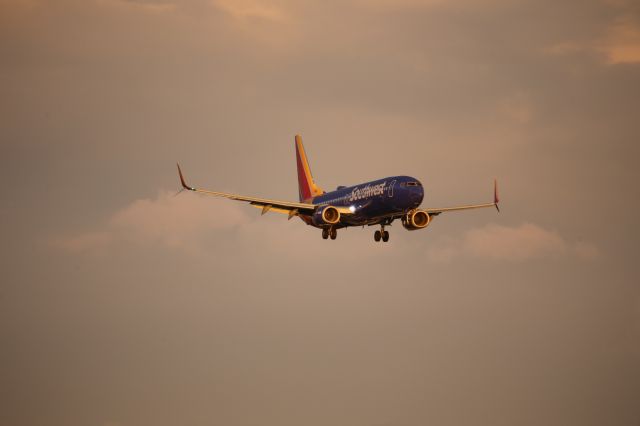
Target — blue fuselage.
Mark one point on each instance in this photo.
(374, 201)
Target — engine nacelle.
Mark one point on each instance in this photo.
(325, 215)
(416, 219)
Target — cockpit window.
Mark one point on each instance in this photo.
(413, 184)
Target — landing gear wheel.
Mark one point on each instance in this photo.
(377, 235)
(325, 233)
(333, 233)
(385, 236)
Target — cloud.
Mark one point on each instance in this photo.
(586, 250)
(182, 223)
(398, 4)
(245, 9)
(565, 48)
(199, 226)
(83, 242)
(153, 6)
(265, 23)
(503, 243)
(622, 42)
(196, 225)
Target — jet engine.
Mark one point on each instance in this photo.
(326, 215)
(416, 219)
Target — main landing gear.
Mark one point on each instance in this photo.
(329, 232)
(381, 234)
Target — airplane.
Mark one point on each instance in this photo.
(378, 202)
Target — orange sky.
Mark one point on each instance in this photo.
(124, 305)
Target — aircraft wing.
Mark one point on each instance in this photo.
(437, 211)
(291, 208)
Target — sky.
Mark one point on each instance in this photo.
(124, 305)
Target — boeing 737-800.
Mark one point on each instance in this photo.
(379, 202)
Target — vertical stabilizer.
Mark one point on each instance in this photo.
(306, 186)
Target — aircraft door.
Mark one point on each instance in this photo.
(393, 182)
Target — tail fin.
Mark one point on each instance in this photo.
(306, 186)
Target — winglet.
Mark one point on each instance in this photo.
(496, 200)
(184, 184)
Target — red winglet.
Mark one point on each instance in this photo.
(496, 200)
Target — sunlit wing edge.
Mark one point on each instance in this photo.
(266, 204)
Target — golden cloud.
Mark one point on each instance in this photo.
(176, 222)
(619, 45)
(246, 9)
(622, 42)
